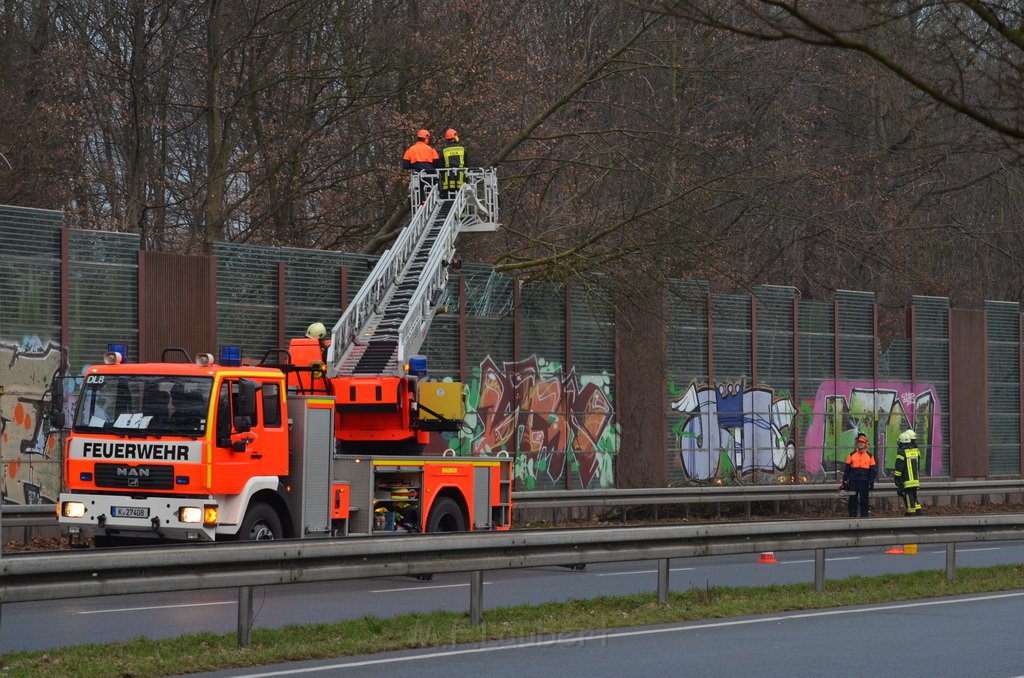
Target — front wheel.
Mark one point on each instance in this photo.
(261, 523)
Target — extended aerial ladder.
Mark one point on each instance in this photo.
(368, 361)
(388, 319)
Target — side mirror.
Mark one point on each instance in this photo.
(57, 419)
(245, 405)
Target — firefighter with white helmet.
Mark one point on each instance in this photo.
(318, 331)
(907, 473)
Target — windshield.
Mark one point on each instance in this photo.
(144, 404)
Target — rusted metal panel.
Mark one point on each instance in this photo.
(968, 394)
(641, 381)
(177, 294)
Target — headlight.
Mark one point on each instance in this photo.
(190, 514)
(73, 509)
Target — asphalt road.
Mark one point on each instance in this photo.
(38, 626)
(976, 636)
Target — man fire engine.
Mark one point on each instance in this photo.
(324, 443)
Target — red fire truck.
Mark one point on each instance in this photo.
(322, 439)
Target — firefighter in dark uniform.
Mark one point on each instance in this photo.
(859, 477)
(453, 156)
(907, 474)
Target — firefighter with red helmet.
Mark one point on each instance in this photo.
(421, 155)
(453, 160)
(907, 472)
(859, 477)
(423, 160)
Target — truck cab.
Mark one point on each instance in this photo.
(173, 450)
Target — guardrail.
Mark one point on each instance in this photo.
(31, 516)
(28, 515)
(74, 574)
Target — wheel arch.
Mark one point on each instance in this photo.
(275, 501)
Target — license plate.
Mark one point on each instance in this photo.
(129, 512)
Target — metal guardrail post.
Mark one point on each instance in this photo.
(244, 616)
(951, 561)
(663, 581)
(476, 597)
(819, 570)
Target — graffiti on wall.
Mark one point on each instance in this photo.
(881, 410)
(29, 454)
(555, 422)
(729, 431)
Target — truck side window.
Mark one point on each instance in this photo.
(271, 404)
(224, 415)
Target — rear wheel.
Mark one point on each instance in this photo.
(261, 523)
(446, 516)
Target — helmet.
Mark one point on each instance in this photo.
(423, 135)
(316, 331)
(908, 436)
(451, 135)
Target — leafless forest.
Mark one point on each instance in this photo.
(832, 144)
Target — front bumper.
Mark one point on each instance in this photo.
(133, 518)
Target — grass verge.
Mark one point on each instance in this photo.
(141, 658)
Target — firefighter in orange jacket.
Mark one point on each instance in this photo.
(859, 477)
(421, 155)
(423, 159)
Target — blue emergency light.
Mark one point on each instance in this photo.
(418, 366)
(119, 348)
(231, 356)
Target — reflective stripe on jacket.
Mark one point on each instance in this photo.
(454, 156)
(907, 472)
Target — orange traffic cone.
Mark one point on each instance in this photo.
(767, 557)
(896, 550)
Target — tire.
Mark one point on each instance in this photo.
(261, 523)
(446, 516)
